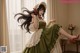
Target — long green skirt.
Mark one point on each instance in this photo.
(47, 41)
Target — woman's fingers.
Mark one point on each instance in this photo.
(51, 21)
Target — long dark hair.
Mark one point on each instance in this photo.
(28, 17)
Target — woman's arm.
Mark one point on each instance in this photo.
(35, 21)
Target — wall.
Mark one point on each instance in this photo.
(65, 14)
(68, 14)
(61, 14)
(74, 18)
(58, 11)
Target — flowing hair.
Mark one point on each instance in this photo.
(28, 17)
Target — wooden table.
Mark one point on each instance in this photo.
(64, 43)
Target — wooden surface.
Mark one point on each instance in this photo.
(64, 42)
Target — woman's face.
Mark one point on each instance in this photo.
(41, 11)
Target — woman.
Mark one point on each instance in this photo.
(45, 38)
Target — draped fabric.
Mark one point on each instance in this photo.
(57, 47)
(4, 38)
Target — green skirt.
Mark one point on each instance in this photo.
(47, 41)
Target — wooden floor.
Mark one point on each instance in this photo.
(70, 52)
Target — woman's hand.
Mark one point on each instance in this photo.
(74, 38)
(51, 21)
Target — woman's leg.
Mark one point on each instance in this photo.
(71, 37)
